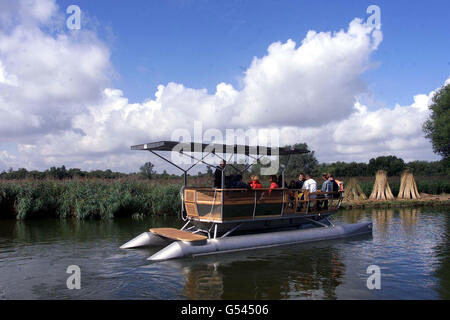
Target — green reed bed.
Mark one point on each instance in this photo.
(106, 199)
(87, 199)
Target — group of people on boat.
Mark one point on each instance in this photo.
(304, 182)
(235, 181)
(330, 184)
(329, 190)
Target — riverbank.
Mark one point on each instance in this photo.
(426, 200)
(107, 199)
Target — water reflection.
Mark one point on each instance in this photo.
(298, 271)
(409, 218)
(411, 245)
(443, 269)
(383, 218)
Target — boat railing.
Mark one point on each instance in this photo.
(220, 205)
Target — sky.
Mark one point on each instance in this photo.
(318, 72)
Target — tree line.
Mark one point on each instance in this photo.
(392, 164)
(306, 163)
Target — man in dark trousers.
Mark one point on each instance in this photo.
(218, 175)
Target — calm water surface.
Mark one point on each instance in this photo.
(411, 246)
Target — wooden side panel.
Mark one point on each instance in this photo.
(189, 195)
(191, 209)
(209, 197)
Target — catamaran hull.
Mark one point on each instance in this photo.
(180, 249)
(148, 239)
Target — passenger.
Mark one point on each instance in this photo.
(340, 185)
(291, 193)
(238, 183)
(299, 185)
(218, 175)
(280, 181)
(292, 185)
(301, 180)
(335, 186)
(310, 184)
(229, 181)
(255, 184)
(327, 186)
(273, 182)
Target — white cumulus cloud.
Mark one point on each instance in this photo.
(57, 107)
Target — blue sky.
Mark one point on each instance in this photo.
(141, 71)
(201, 43)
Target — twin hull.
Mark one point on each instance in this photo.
(179, 249)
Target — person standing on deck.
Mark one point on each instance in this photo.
(327, 186)
(218, 175)
(335, 186)
(301, 180)
(310, 184)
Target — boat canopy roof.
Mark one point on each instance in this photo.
(218, 148)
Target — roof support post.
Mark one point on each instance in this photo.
(284, 171)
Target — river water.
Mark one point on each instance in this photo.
(410, 246)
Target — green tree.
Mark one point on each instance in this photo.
(306, 162)
(147, 170)
(437, 127)
(393, 165)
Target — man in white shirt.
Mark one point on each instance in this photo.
(310, 184)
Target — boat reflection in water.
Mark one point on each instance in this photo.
(308, 271)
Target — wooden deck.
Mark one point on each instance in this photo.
(176, 234)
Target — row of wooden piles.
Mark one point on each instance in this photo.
(381, 189)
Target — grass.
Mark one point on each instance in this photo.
(107, 199)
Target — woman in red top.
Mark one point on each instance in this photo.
(255, 184)
(273, 182)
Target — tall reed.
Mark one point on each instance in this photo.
(87, 199)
